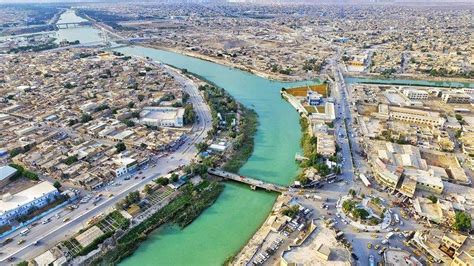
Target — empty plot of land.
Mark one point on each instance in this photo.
(303, 91)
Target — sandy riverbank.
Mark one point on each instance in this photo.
(270, 76)
(253, 245)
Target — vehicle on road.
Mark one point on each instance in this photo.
(36, 243)
(66, 219)
(8, 240)
(369, 246)
(397, 219)
(45, 221)
(25, 231)
(354, 256)
(21, 241)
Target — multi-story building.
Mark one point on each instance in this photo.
(410, 115)
(414, 94)
(16, 205)
(456, 97)
(402, 167)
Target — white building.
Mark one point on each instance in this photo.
(162, 116)
(414, 94)
(13, 206)
(456, 97)
(415, 116)
(124, 165)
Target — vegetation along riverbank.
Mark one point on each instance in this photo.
(232, 122)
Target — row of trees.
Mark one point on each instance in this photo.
(21, 171)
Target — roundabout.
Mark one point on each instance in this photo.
(367, 214)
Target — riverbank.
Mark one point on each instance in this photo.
(181, 211)
(255, 242)
(285, 78)
(185, 208)
(274, 77)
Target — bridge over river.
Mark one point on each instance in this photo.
(254, 183)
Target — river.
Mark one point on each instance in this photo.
(227, 225)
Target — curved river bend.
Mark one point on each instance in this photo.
(226, 226)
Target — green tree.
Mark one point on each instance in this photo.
(85, 118)
(291, 211)
(202, 146)
(462, 221)
(433, 198)
(129, 123)
(352, 192)
(70, 160)
(189, 114)
(360, 213)
(147, 189)
(132, 197)
(174, 177)
(131, 104)
(57, 184)
(348, 205)
(120, 147)
(162, 181)
(31, 175)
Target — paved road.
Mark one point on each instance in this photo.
(51, 233)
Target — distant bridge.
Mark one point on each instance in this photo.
(73, 24)
(254, 183)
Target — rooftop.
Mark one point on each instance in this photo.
(6, 171)
(11, 202)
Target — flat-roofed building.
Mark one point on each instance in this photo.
(162, 116)
(416, 94)
(456, 97)
(326, 144)
(426, 180)
(453, 240)
(6, 172)
(438, 212)
(124, 165)
(467, 141)
(397, 257)
(463, 259)
(322, 252)
(411, 115)
(13, 206)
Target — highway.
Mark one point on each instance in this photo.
(48, 235)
